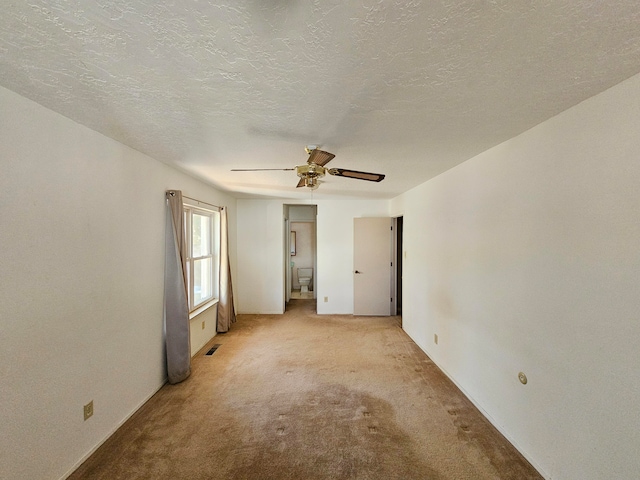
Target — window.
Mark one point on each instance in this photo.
(202, 235)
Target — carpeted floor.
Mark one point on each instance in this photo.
(303, 396)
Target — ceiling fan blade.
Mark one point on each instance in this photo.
(370, 177)
(300, 183)
(320, 157)
(260, 169)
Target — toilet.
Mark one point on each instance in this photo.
(305, 275)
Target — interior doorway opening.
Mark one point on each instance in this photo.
(397, 263)
(303, 260)
(300, 252)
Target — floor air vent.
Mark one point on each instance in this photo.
(213, 349)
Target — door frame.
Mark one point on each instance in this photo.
(287, 269)
(396, 272)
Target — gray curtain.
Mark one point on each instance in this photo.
(226, 312)
(176, 306)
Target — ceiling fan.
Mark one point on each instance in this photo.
(314, 169)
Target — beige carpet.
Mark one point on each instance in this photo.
(302, 396)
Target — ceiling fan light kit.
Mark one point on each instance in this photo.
(312, 183)
(314, 169)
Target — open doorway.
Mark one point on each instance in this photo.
(303, 260)
(301, 263)
(397, 264)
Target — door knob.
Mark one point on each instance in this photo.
(358, 271)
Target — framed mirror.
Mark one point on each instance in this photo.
(292, 243)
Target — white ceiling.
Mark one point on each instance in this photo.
(406, 88)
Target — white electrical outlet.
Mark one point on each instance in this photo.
(326, 299)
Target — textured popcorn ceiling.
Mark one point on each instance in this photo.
(406, 88)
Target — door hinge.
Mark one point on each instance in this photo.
(392, 264)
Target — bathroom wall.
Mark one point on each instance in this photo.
(305, 249)
(302, 213)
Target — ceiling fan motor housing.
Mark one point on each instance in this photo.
(310, 172)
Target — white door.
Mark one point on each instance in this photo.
(372, 266)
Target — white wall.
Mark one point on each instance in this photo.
(335, 250)
(203, 328)
(527, 258)
(81, 285)
(260, 286)
(260, 253)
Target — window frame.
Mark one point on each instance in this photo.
(214, 255)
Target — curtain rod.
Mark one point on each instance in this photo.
(200, 201)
